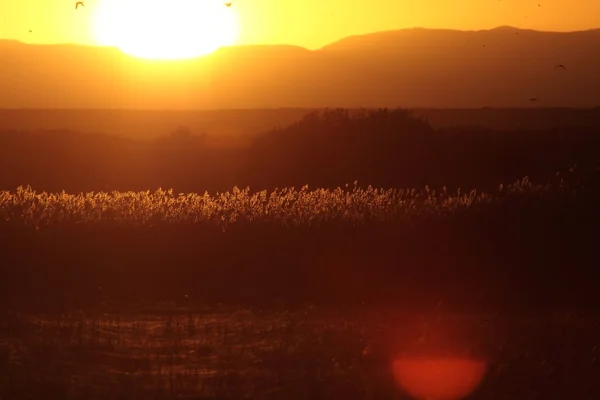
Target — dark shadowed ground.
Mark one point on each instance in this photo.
(298, 293)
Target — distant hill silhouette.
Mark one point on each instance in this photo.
(502, 67)
(326, 148)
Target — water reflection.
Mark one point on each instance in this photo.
(439, 378)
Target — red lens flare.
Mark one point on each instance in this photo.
(438, 378)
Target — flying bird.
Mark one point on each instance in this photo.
(227, 4)
(79, 3)
(560, 66)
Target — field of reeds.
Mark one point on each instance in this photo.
(521, 242)
(352, 206)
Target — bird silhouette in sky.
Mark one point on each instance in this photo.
(79, 3)
(560, 66)
(227, 4)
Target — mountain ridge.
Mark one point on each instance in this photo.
(413, 67)
(376, 33)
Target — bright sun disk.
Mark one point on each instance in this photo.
(165, 29)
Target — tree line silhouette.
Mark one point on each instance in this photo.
(326, 148)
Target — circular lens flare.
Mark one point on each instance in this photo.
(438, 378)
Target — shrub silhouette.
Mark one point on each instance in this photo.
(182, 133)
(394, 148)
(333, 147)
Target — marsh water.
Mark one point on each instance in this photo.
(241, 352)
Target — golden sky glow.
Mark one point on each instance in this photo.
(307, 23)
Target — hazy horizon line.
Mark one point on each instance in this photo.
(297, 108)
(335, 41)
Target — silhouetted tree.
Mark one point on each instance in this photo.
(182, 133)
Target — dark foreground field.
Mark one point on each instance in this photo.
(522, 245)
(102, 293)
(280, 290)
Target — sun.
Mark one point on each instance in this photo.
(165, 29)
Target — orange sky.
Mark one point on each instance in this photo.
(314, 23)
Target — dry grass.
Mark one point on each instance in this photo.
(288, 206)
(316, 245)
